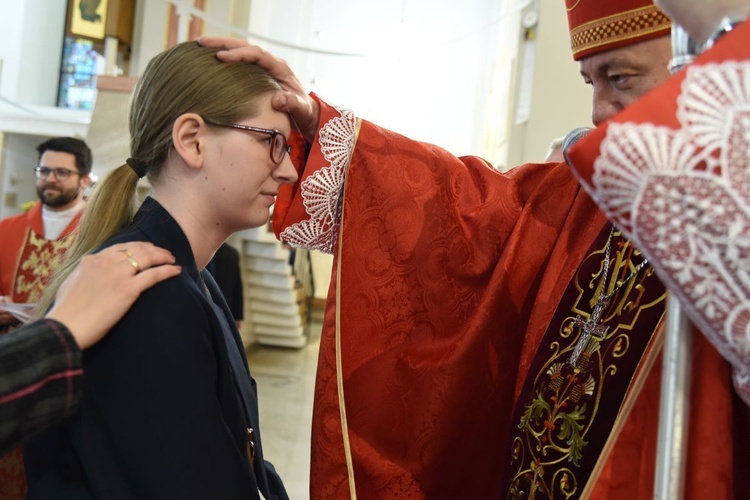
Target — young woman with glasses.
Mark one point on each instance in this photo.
(170, 409)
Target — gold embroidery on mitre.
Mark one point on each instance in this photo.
(616, 28)
(40, 258)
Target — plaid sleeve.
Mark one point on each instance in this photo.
(41, 380)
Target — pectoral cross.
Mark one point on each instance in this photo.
(590, 327)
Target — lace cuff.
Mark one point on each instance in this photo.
(321, 190)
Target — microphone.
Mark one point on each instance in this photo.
(571, 138)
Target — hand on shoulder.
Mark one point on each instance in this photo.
(102, 288)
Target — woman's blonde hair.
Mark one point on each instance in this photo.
(186, 78)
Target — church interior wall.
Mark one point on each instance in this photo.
(424, 68)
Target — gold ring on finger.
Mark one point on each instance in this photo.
(132, 260)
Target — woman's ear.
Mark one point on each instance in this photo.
(188, 138)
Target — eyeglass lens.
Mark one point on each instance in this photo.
(60, 173)
(278, 147)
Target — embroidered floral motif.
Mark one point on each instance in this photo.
(560, 428)
(39, 260)
(682, 195)
(323, 191)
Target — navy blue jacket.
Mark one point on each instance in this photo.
(162, 415)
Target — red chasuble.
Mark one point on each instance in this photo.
(672, 171)
(458, 297)
(27, 262)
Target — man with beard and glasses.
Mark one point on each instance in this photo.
(33, 244)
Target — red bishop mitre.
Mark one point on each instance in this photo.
(600, 25)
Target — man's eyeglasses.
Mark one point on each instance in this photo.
(61, 174)
(279, 146)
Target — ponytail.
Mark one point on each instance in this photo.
(111, 207)
(186, 78)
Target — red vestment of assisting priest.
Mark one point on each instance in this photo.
(27, 261)
(486, 335)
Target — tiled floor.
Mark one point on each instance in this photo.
(286, 380)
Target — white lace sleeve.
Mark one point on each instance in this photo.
(682, 196)
(322, 192)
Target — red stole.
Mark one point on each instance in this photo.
(570, 403)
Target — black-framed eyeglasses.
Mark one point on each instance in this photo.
(279, 145)
(60, 173)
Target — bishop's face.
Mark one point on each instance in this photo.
(61, 188)
(620, 76)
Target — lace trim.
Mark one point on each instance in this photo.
(683, 196)
(323, 191)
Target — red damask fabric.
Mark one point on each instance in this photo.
(446, 276)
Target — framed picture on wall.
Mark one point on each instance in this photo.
(88, 18)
